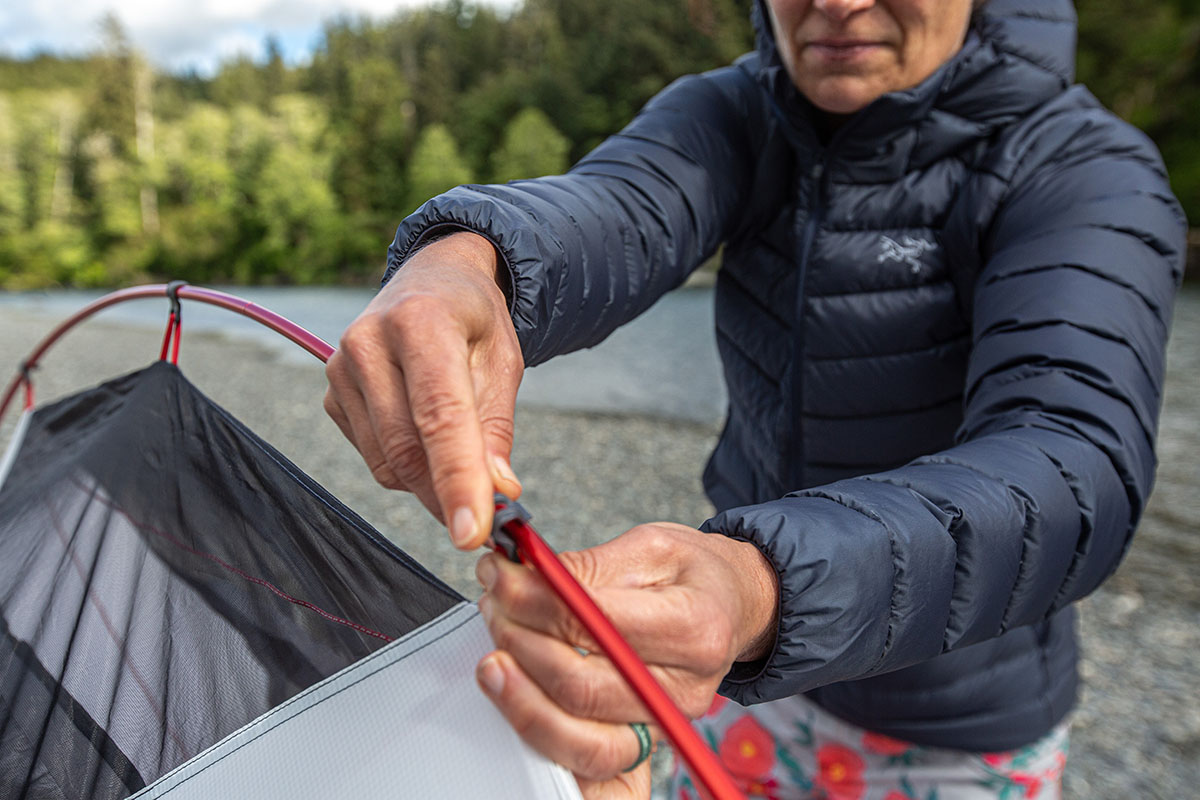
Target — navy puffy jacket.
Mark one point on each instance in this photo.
(942, 332)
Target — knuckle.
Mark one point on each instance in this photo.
(503, 636)
(524, 721)
(572, 631)
(413, 315)
(331, 405)
(446, 471)
(508, 593)
(500, 429)
(658, 543)
(384, 476)
(577, 695)
(360, 336)
(711, 645)
(411, 306)
(600, 759)
(508, 363)
(405, 459)
(334, 368)
(438, 413)
(695, 700)
(583, 564)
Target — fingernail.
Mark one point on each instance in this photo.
(485, 608)
(491, 675)
(462, 527)
(485, 572)
(504, 469)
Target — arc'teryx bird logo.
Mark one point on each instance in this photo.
(907, 251)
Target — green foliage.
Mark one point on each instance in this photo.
(293, 200)
(373, 130)
(114, 186)
(435, 166)
(51, 253)
(1141, 58)
(266, 172)
(239, 82)
(110, 95)
(44, 71)
(532, 146)
(11, 210)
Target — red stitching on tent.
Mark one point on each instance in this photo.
(253, 579)
(279, 592)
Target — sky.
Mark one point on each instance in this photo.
(180, 35)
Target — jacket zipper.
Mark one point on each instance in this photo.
(794, 449)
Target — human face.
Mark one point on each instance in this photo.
(843, 54)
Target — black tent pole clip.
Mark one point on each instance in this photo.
(174, 323)
(173, 294)
(506, 511)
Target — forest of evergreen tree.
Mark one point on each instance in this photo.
(112, 171)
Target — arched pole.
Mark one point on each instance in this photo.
(306, 339)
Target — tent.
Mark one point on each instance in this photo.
(185, 614)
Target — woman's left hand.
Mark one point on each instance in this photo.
(689, 603)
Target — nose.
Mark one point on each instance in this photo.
(841, 10)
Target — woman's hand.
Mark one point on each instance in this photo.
(425, 381)
(689, 603)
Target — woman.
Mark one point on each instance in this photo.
(942, 310)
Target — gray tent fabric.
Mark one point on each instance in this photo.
(407, 721)
(173, 588)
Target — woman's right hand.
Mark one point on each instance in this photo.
(689, 603)
(424, 384)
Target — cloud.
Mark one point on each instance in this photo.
(183, 34)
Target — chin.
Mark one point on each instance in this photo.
(840, 95)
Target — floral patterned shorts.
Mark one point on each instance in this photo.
(791, 749)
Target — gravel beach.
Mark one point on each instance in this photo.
(589, 477)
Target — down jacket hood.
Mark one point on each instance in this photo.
(1024, 28)
(1018, 54)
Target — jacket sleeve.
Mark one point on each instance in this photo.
(1036, 504)
(590, 250)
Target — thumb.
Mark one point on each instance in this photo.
(503, 477)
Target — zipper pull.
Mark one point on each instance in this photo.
(817, 191)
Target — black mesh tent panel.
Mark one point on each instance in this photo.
(165, 578)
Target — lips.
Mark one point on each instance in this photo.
(831, 42)
(842, 50)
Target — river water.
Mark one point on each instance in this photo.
(662, 364)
